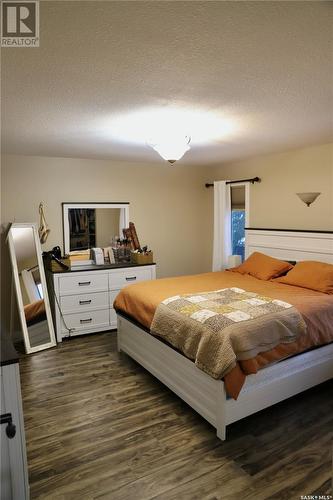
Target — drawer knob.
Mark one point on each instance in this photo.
(130, 278)
(89, 320)
(82, 302)
(84, 283)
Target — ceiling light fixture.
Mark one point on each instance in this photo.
(308, 198)
(171, 149)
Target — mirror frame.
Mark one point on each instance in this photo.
(68, 205)
(18, 290)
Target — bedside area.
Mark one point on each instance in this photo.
(82, 299)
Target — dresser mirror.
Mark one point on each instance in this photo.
(30, 285)
(90, 225)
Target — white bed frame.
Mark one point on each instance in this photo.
(267, 387)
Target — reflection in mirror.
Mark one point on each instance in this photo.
(30, 286)
(90, 225)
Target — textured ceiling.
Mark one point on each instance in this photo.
(266, 66)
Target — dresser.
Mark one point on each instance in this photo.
(82, 298)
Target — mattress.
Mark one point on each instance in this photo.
(139, 302)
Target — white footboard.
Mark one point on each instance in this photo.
(206, 395)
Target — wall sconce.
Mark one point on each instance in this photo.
(308, 198)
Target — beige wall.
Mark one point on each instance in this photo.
(273, 203)
(169, 205)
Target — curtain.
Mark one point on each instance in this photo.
(222, 246)
(30, 284)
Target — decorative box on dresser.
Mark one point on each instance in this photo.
(82, 298)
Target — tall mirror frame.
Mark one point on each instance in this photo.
(19, 297)
(66, 206)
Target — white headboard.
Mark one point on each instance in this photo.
(290, 244)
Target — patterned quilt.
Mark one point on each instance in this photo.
(215, 329)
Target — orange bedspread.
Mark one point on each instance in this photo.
(140, 300)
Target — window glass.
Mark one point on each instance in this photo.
(238, 232)
(40, 290)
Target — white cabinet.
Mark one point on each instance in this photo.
(82, 300)
(14, 472)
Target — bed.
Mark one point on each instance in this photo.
(271, 384)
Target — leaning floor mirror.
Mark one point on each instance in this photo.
(30, 285)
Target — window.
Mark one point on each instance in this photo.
(37, 281)
(238, 231)
(40, 290)
(238, 218)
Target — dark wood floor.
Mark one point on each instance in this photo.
(99, 426)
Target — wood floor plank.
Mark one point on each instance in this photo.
(99, 426)
(226, 482)
(302, 470)
(189, 469)
(131, 465)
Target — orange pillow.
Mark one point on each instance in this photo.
(262, 266)
(311, 274)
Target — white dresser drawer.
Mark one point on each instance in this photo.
(92, 282)
(88, 320)
(121, 278)
(84, 302)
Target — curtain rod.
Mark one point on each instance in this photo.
(32, 268)
(29, 270)
(253, 180)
